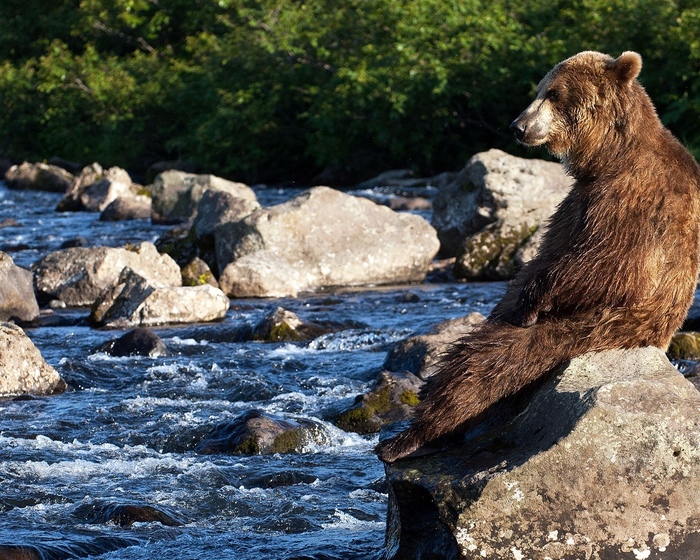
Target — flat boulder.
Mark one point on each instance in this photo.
(176, 194)
(17, 300)
(603, 462)
(136, 302)
(38, 177)
(23, 370)
(323, 238)
(510, 196)
(77, 276)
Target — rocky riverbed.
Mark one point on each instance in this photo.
(216, 390)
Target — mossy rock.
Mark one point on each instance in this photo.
(490, 254)
(391, 400)
(255, 432)
(198, 273)
(685, 346)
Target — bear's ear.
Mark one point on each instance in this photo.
(627, 66)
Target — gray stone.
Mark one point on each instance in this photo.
(95, 189)
(79, 275)
(420, 354)
(603, 463)
(323, 238)
(22, 368)
(38, 177)
(133, 207)
(17, 300)
(134, 302)
(256, 432)
(494, 187)
(218, 207)
(176, 194)
(390, 400)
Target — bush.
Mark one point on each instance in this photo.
(265, 90)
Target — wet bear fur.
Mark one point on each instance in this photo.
(618, 264)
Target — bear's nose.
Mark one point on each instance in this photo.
(518, 129)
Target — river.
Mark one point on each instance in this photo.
(125, 430)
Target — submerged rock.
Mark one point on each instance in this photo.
(256, 432)
(134, 301)
(323, 238)
(391, 400)
(38, 177)
(282, 325)
(79, 275)
(604, 462)
(17, 300)
(23, 371)
(124, 515)
(137, 342)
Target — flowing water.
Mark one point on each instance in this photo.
(124, 432)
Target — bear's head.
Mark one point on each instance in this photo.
(583, 101)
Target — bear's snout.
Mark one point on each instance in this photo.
(518, 128)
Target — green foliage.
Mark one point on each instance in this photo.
(281, 89)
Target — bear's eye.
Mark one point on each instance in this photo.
(553, 95)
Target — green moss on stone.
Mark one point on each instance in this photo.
(248, 446)
(289, 442)
(410, 398)
(356, 420)
(685, 346)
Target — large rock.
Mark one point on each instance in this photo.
(17, 300)
(38, 177)
(136, 302)
(497, 188)
(22, 368)
(77, 276)
(176, 194)
(322, 238)
(604, 462)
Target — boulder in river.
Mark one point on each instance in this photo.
(133, 207)
(511, 196)
(38, 177)
(604, 462)
(176, 194)
(17, 300)
(323, 238)
(136, 302)
(255, 432)
(218, 207)
(140, 341)
(78, 276)
(23, 370)
(391, 400)
(420, 354)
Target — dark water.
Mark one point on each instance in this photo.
(125, 430)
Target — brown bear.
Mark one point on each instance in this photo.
(618, 264)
